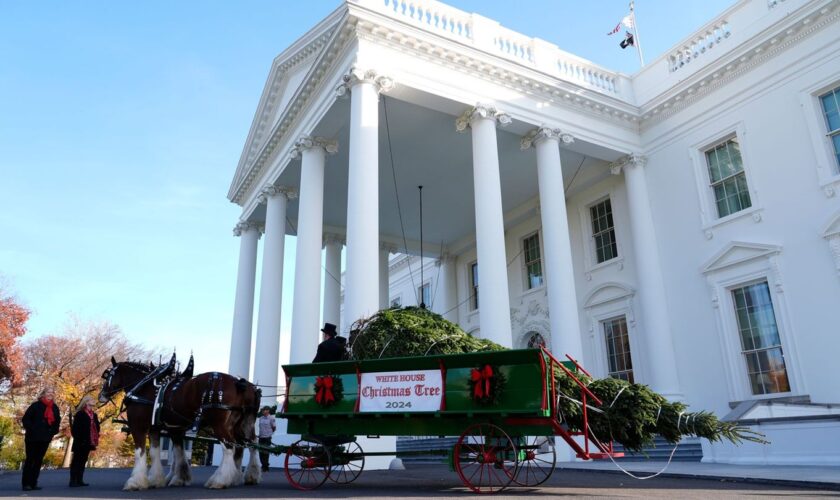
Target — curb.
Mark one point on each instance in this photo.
(734, 479)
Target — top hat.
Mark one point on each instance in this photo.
(329, 329)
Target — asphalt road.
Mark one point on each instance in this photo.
(419, 481)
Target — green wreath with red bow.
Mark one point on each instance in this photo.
(329, 390)
(486, 384)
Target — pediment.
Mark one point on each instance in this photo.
(607, 292)
(833, 226)
(736, 253)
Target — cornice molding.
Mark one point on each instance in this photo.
(358, 76)
(306, 142)
(478, 112)
(736, 63)
(544, 133)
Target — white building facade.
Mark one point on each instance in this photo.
(679, 227)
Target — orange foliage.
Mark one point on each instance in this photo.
(13, 317)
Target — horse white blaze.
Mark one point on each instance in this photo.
(138, 479)
(226, 474)
(253, 473)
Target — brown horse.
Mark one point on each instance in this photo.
(224, 405)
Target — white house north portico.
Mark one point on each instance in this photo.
(640, 223)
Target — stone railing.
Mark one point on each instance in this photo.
(490, 36)
(703, 41)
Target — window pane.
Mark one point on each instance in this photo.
(760, 339)
(714, 171)
(603, 231)
(832, 114)
(618, 349)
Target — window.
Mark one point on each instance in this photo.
(760, 342)
(424, 293)
(474, 286)
(535, 340)
(618, 349)
(831, 109)
(727, 177)
(603, 231)
(533, 261)
(396, 302)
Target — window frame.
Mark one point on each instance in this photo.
(607, 301)
(710, 221)
(603, 327)
(591, 263)
(525, 274)
(828, 172)
(472, 286)
(594, 235)
(713, 184)
(398, 299)
(425, 286)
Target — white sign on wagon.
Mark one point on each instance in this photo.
(403, 391)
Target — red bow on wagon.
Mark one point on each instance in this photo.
(482, 381)
(324, 390)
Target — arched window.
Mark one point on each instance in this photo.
(535, 340)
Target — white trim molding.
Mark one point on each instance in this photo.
(608, 301)
(831, 233)
(828, 172)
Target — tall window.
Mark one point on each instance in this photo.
(728, 180)
(533, 261)
(760, 341)
(424, 292)
(618, 349)
(474, 286)
(396, 302)
(603, 231)
(831, 108)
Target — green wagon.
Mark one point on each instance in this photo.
(502, 404)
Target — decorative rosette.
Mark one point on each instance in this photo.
(328, 390)
(486, 384)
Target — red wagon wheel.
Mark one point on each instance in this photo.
(308, 464)
(348, 462)
(485, 458)
(537, 459)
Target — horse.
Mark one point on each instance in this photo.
(225, 405)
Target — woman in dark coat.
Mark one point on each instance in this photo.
(85, 431)
(40, 422)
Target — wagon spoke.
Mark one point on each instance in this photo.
(538, 459)
(307, 464)
(485, 458)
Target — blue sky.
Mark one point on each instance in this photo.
(121, 124)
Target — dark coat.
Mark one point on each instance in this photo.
(36, 426)
(332, 349)
(81, 431)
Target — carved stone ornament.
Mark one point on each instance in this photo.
(540, 133)
(307, 142)
(481, 111)
(332, 238)
(356, 76)
(242, 227)
(269, 191)
(630, 160)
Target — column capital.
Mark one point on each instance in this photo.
(330, 238)
(357, 75)
(307, 142)
(544, 133)
(271, 190)
(445, 258)
(628, 161)
(479, 111)
(390, 247)
(243, 226)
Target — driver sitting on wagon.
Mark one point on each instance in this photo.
(334, 348)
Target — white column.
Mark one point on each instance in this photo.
(445, 298)
(239, 363)
(559, 273)
(494, 307)
(385, 251)
(362, 273)
(332, 279)
(660, 363)
(307, 299)
(267, 352)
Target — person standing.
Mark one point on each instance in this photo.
(40, 421)
(85, 431)
(267, 426)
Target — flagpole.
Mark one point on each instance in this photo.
(638, 43)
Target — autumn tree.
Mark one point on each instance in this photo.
(13, 317)
(72, 362)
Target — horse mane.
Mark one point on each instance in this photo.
(136, 365)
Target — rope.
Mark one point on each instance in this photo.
(617, 395)
(622, 469)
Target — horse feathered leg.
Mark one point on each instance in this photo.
(180, 475)
(138, 479)
(226, 474)
(157, 478)
(238, 453)
(253, 474)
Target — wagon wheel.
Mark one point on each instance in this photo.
(307, 464)
(485, 458)
(537, 459)
(348, 461)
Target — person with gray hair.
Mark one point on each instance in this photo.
(85, 432)
(40, 422)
